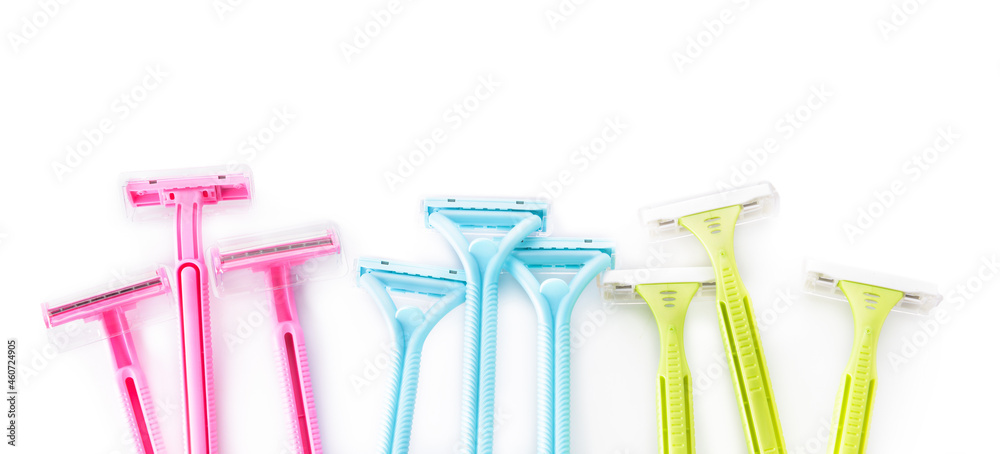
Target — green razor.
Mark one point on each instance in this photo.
(712, 219)
(668, 292)
(872, 297)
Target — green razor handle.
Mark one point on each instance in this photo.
(870, 306)
(715, 230)
(669, 303)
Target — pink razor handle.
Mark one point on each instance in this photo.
(293, 349)
(196, 332)
(187, 196)
(132, 382)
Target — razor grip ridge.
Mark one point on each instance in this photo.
(870, 306)
(302, 406)
(715, 229)
(141, 413)
(669, 304)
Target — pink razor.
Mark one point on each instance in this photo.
(286, 260)
(109, 308)
(187, 196)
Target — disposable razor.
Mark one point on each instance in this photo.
(871, 296)
(554, 300)
(668, 292)
(712, 219)
(186, 193)
(109, 309)
(279, 259)
(459, 220)
(410, 327)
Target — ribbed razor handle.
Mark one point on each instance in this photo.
(751, 382)
(132, 384)
(290, 342)
(870, 306)
(669, 303)
(192, 289)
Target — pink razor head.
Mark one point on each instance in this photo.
(318, 245)
(108, 308)
(283, 260)
(208, 186)
(125, 298)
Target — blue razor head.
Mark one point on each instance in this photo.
(486, 215)
(412, 278)
(566, 253)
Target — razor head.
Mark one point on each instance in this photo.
(97, 302)
(412, 278)
(759, 201)
(486, 216)
(618, 286)
(210, 185)
(561, 253)
(287, 252)
(823, 279)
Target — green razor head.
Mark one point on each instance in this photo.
(412, 278)
(823, 279)
(758, 201)
(485, 215)
(619, 286)
(561, 253)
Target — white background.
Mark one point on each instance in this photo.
(690, 127)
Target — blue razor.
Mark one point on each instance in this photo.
(553, 301)
(483, 260)
(410, 327)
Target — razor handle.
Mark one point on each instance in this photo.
(196, 333)
(715, 230)
(132, 383)
(292, 347)
(870, 306)
(669, 303)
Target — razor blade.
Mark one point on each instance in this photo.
(411, 278)
(484, 215)
(619, 286)
(759, 201)
(823, 279)
(125, 297)
(316, 245)
(561, 253)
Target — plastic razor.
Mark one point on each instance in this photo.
(410, 327)
(109, 309)
(712, 219)
(281, 259)
(187, 193)
(554, 300)
(871, 296)
(483, 260)
(668, 292)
